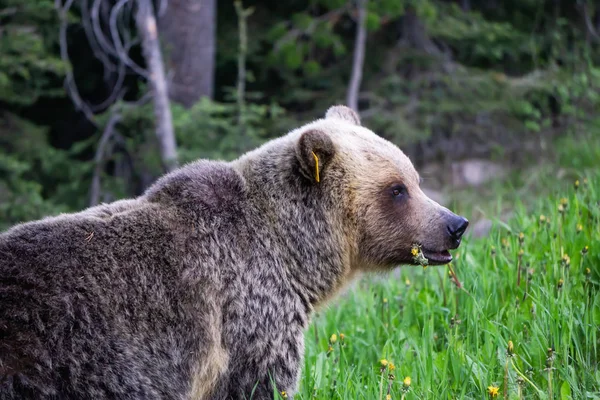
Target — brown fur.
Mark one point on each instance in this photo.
(203, 287)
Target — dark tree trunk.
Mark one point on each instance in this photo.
(414, 34)
(187, 30)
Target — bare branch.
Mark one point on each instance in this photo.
(359, 56)
(108, 65)
(121, 51)
(102, 40)
(147, 29)
(99, 158)
(243, 49)
(70, 85)
(588, 22)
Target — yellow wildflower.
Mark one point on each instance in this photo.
(493, 391)
(406, 382)
(564, 202)
(576, 184)
(542, 219)
(333, 338)
(391, 366)
(383, 362)
(584, 250)
(388, 397)
(566, 259)
(385, 300)
(414, 251)
(510, 349)
(521, 252)
(579, 228)
(561, 282)
(284, 395)
(407, 282)
(342, 336)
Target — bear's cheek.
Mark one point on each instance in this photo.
(389, 231)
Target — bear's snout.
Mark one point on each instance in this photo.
(456, 227)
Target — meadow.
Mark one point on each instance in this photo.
(516, 315)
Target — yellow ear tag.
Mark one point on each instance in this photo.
(316, 166)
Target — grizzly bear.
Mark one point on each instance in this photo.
(202, 287)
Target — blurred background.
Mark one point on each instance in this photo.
(496, 102)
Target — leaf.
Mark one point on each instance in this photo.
(565, 391)
(373, 21)
(319, 369)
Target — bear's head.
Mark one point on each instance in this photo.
(387, 215)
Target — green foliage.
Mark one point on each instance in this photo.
(29, 61)
(448, 329)
(35, 178)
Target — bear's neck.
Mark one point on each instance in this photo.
(301, 220)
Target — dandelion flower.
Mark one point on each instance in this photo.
(284, 394)
(510, 349)
(564, 202)
(406, 382)
(584, 250)
(493, 391)
(576, 184)
(579, 228)
(418, 256)
(561, 282)
(566, 260)
(342, 336)
(414, 251)
(391, 366)
(388, 397)
(383, 362)
(543, 219)
(407, 282)
(333, 338)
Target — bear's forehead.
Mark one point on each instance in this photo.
(368, 151)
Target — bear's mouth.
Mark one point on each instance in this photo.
(437, 257)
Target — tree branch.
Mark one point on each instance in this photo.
(146, 24)
(359, 56)
(70, 85)
(99, 158)
(588, 22)
(120, 49)
(241, 79)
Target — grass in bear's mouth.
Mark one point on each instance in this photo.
(523, 322)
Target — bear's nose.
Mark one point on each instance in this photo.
(457, 227)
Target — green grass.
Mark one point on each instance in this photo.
(452, 342)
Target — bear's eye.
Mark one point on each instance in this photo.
(399, 190)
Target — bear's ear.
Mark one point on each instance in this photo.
(314, 150)
(343, 112)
